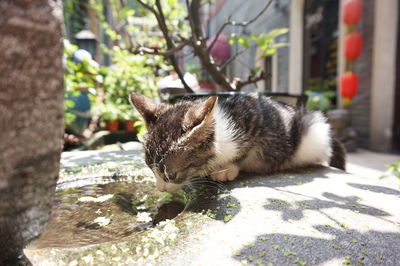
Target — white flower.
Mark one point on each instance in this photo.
(88, 259)
(143, 217)
(102, 221)
(98, 199)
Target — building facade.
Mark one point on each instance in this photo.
(276, 16)
(314, 58)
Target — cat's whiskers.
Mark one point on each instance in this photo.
(201, 181)
(213, 185)
(153, 165)
(220, 171)
(206, 181)
(166, 175)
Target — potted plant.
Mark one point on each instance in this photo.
(128, 73)
(321, 94)
(321, 101)
(206, 83)
(110, 114)
(129, 118)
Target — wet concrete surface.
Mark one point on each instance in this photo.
(315, 216)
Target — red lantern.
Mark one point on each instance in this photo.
(348, 85)
(352, 10)
(353, 46)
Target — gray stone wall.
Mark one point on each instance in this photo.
(361, 107)
(277, 16)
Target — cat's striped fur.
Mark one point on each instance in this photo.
(225, 136)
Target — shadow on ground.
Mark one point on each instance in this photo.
(328, 195)
(377, 189)
(341, 247)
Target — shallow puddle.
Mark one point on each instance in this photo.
(97, 213)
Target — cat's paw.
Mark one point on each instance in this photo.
(228, 173)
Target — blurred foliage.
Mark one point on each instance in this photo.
(320, 101)
(108, 111)
(267, 42)
(133, 26)
(126, 25)
(321, 94)
(318, 85)
(128, 73)
(75, 13)
(77, 76)
(393, 170)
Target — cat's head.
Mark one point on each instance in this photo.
(180, 140)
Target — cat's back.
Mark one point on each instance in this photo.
(256, 112)
(280, 134)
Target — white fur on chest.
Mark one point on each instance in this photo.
(225, 147)
(315, 144)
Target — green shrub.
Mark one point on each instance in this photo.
(393, 169)
(78, 76)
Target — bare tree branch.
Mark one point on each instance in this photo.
(230, 60)
(241, 24)
(191, 22)
(156, 51)
(194, 15)
(200, 48)
(246, 23)
(159, 14)
(148, 7)
(197, 42)
(252, 78)
(219, 33)
(189, 16)
(211, 67)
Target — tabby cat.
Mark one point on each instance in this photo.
(220, 137)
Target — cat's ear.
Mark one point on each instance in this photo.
(147, 108)
(200, 112)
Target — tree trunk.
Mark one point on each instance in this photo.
(31, 119)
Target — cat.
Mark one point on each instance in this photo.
(220, 137)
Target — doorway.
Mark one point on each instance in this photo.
(320, 46)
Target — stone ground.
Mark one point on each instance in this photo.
(316, 216)
(370, 164)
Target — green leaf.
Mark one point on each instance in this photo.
(256, 70)
(269, 52)
(277, 32)
(125, 13)
(279, 45)
(330, 94)
(266, 42)
(308, 92)
(243, 41)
